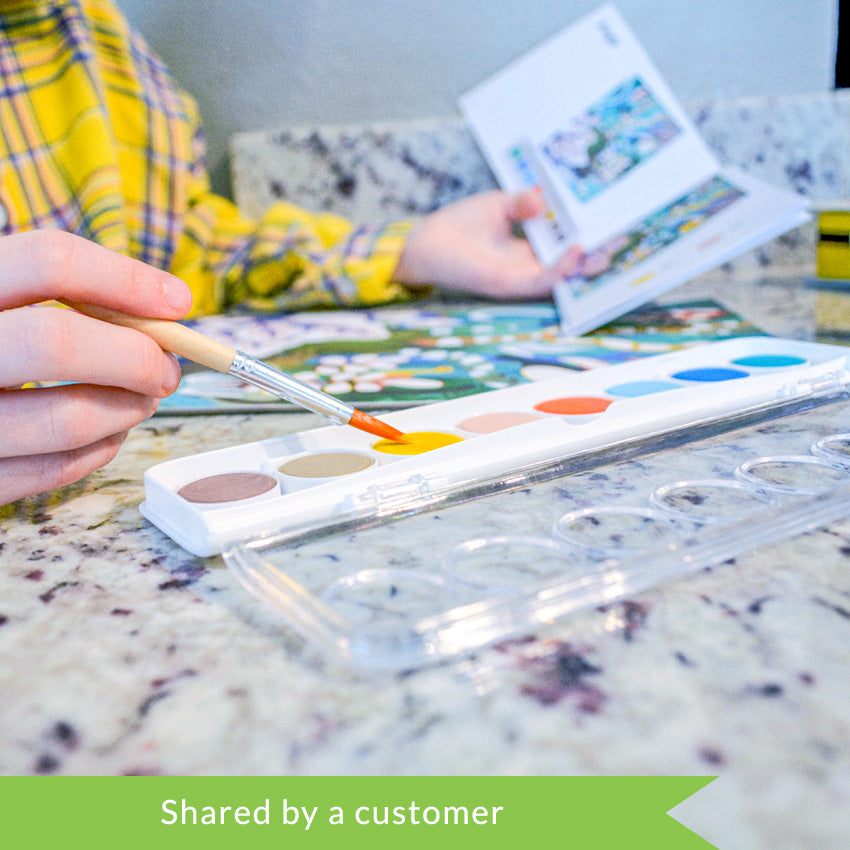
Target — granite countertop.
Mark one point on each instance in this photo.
(122, 654)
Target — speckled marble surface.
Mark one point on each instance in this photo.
(122, 654)
(394, 170)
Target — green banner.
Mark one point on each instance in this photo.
(369, 812)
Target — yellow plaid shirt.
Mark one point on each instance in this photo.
(97, 139)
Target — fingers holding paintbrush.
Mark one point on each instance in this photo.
(195, 346)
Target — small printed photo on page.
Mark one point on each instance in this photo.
(627, 250)
(717, 220)
(615, 135)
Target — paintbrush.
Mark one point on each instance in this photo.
(193, 345)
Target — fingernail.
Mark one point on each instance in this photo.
(177, 294)
(173, 380)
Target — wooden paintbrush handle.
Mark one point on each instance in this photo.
(171, 336)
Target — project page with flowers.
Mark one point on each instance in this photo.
(390, 357)
(588, 119)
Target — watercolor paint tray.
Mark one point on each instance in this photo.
(526, 553)
(584, 417)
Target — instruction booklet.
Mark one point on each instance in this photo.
(588, 119)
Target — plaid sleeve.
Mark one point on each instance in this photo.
(289, 259)
(99, 139)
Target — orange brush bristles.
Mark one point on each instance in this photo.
(368, 423)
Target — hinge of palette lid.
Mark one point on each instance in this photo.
(821, 385)
(398, 494)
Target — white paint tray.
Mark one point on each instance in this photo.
(640, 404)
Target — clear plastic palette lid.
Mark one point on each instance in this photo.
(423, 580)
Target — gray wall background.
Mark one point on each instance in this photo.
(256, 64)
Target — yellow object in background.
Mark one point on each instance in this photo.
(833, 251)
(832, 265)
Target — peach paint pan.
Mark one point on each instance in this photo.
(210, 500)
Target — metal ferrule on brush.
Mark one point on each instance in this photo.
(255, 372)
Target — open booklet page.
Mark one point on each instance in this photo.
(588, 119)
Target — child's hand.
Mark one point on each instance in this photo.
(471, 246)
(53, 436)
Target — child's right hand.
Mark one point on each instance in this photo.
(52, 436)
